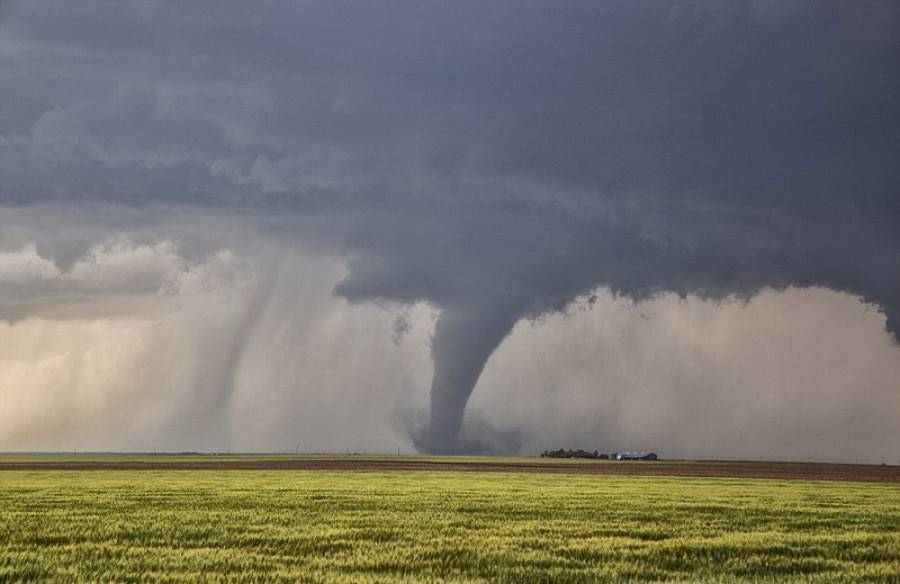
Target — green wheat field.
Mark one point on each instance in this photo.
(412, 526)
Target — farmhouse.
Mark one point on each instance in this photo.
(634, 456)
(579, 453)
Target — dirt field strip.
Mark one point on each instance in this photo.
(771, 470)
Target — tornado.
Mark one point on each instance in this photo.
(464, 339)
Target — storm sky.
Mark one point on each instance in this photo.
(451, 227)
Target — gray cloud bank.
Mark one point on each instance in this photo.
(496, 161)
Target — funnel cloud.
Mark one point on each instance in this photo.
(192, 184)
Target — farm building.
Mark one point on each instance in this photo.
(634, 456)
(579, 453)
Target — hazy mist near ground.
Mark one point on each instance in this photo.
(799, 374)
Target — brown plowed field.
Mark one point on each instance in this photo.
(733, 469)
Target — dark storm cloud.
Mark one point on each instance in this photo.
(494, 159)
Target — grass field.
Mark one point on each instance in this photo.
(416, 526)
